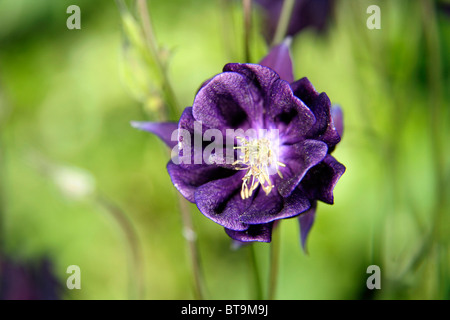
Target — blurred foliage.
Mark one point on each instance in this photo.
(80, 186)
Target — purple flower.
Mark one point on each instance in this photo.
(270, 177)
(312, 14)
(28, 281)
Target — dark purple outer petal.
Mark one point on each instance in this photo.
(289, 114)
(320, 180)
(220, 201)
(279, 59)
(306, 221)
(187, 144)
(267, 208)
(260, 78)
(163, 130)
(258, 232)
(226, 102)
(298, 158)
(188, 178)
(277, 107)
(320, 105)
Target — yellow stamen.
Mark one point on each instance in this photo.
(257, 157)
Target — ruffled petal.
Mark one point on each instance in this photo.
(289, 114)
(264, 208)
(320, 180)
(257, 232)
(259, 78)
(220, 201)
(277, 105)
(188, 178)
(298, 158)
(191, 144)
(320, 105)
(267, 208)
(163, 130)
(226, 102)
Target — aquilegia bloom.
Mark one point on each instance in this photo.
(306, 14)
(270, 178)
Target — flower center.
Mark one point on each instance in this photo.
(258, 159)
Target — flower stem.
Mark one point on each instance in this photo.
(172, 104)
(283, 21)
(247, 5)
(154, 50)
(136, 274)
(190, 236)
(2, 193)
(255, 272)
(436, 126)
(274, 263)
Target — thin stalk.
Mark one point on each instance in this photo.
(154, 51)
(188, 228)
(228, 29)
(283, 22)
(436, 127)
(247, 5)
(2, 193)
(274, 263)
(136, 274)
(190, 236)
(254, 269)
(4, 115)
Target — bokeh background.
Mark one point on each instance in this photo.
(80, 186)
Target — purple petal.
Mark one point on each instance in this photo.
(320, 180)
(290, 115)
(220, 201)
(295, 203)
(274, 101)
(267, 208)
(264, 208)
(306, 221)
(298, 158)
(279, 60)
(320, 105)
(226, 102)
(337, 116)
(257, 232)
(163, 130)
(186, 125)
(191, 138)
(188, 178)
(259, 77)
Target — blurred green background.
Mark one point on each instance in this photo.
(81, 187)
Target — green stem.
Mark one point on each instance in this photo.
(274, 263)
(255, 272)
(228, 29)
(190, 236)
(136, 274)
(2, 192)
(283, 22)
(247, 5)
(154, 51)
(171, 100)
(436, 127)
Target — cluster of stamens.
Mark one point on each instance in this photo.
(257, 158)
